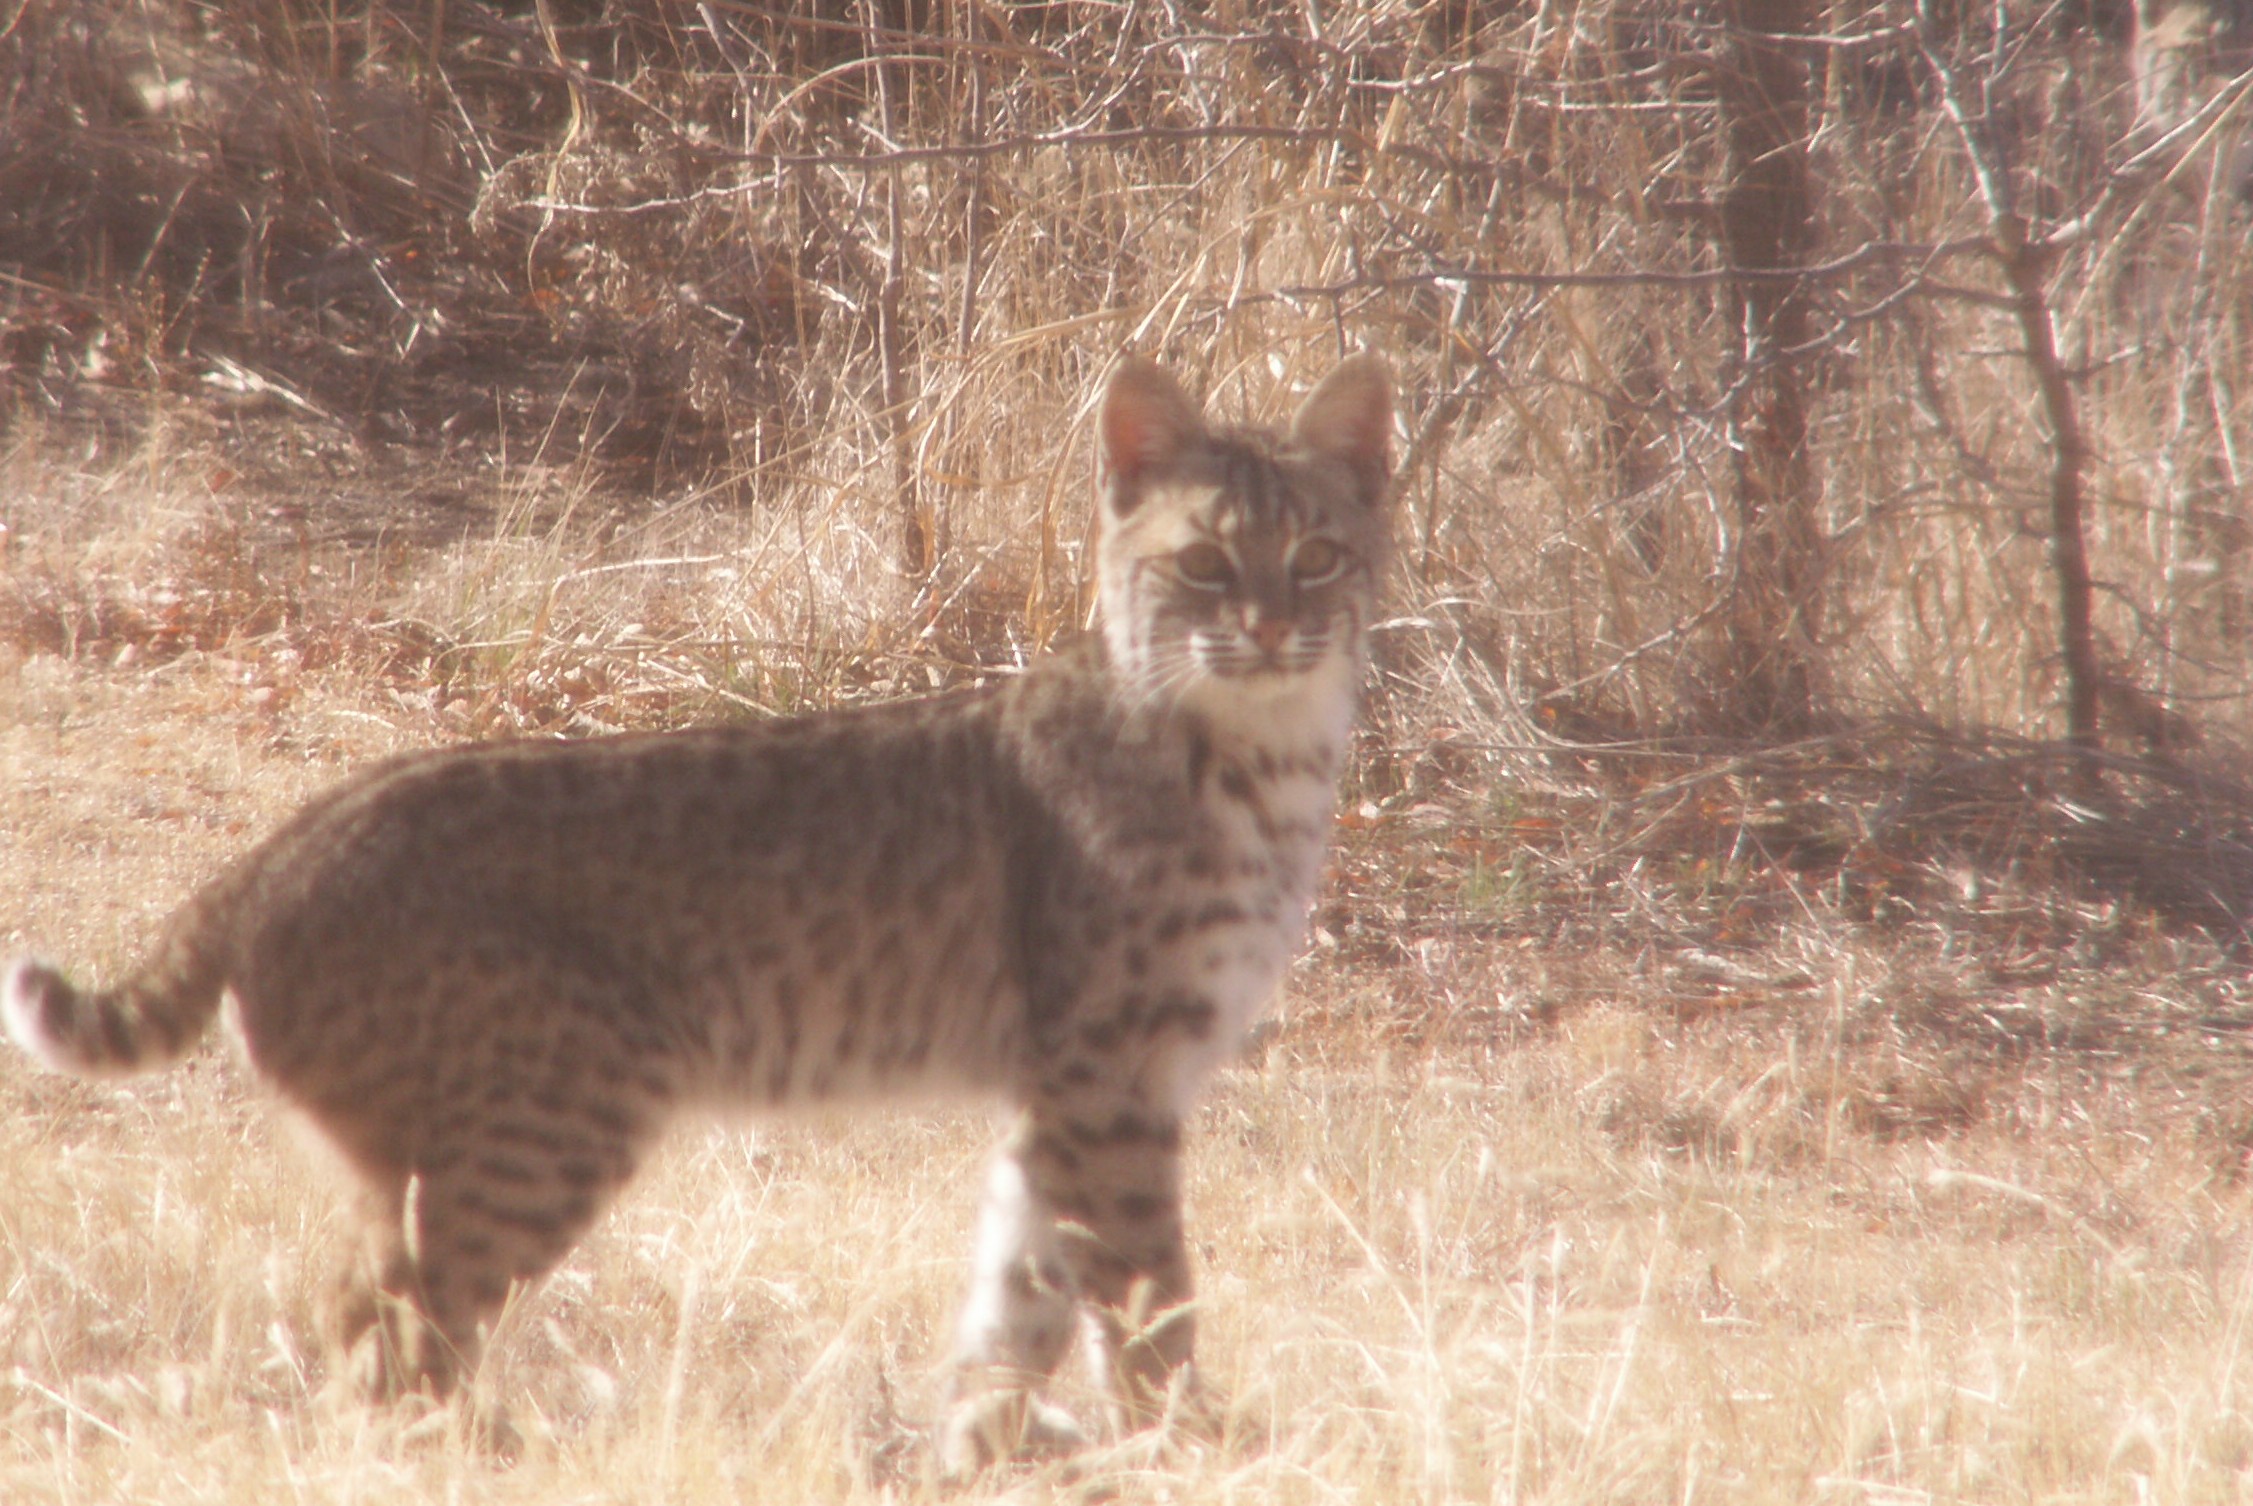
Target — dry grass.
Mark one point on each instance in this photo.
(1656, 1118)
(1662, 1174)
(682, 246)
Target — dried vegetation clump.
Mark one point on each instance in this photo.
(1672, 1104)
(841, 284)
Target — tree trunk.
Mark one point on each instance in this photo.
(1768, 228)
(2025, 263)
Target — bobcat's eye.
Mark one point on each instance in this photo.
(1315, 561)
(1205, 565)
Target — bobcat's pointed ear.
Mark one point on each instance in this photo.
(1146, 420)
(1348, 418)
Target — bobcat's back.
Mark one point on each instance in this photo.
(763, 914)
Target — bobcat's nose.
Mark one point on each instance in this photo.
(1268, 634)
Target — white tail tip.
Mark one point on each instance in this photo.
(24, 995)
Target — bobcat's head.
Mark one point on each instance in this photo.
(1240, 568)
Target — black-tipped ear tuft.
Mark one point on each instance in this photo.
(1348, 418)
(1146, 421)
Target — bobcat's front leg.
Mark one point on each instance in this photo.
(1015, 1325)
(1082, 1214)
(1110, 1174)
(1082, 1210)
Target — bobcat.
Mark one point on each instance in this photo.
(488, 976)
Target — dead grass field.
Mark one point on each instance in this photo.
(1706, 1182)
(1659, 1116)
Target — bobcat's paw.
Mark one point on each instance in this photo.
(1002, 1427)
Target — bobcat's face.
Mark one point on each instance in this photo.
(1241, 564)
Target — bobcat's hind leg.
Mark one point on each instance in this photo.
(439, 1248)
(481, 1148)
(394, 1333)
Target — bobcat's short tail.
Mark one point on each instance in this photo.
(138, 1026)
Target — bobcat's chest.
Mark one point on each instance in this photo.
(1271, 781)
(1266, 803)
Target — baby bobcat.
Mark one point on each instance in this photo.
(489, 976)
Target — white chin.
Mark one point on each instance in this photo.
(1239, 667)
(1273, 696)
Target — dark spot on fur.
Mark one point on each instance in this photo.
(1220, 912)
(1049, 1148)
(1127, 1128)
(508, 1169)
(1186, 1013)
(1139, 1206)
